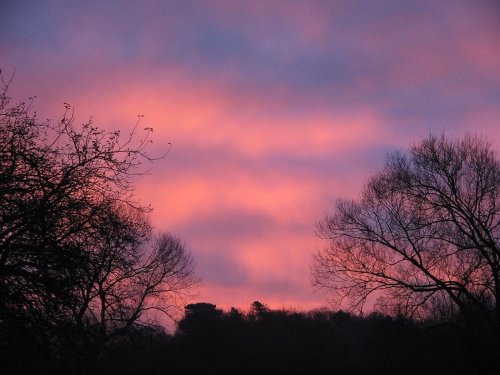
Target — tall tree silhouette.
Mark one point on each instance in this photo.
(425, 234)
(78, 261)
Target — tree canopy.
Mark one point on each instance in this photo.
(79, 264)
(424, 236)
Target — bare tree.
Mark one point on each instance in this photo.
(76, 249)
(126, 284)
(424, 235)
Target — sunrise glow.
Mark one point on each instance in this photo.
(269, 110)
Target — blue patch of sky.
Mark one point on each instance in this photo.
(219, 266)
(28, 23)
(316, 166)
(235, 223)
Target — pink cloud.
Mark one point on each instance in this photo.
(273, 111)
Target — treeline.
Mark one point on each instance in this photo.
(264, 341)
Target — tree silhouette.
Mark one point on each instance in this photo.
(424, 234)
(78, 262)
(258, 309)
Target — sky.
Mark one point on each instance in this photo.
(273, 109)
